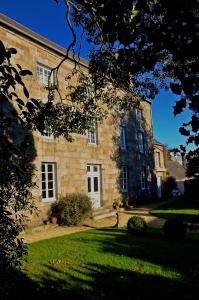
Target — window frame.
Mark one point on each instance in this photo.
(123, 137)
(141, 147)
(47, 134)
(124, 179)
(92, 135)
(138, 114)
(47, 181)
(42, 78)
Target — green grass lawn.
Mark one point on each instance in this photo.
(181, 209)
(111, 264)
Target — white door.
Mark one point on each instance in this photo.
(159, 186)
(93, 182)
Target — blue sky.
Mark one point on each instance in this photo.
(48, 19)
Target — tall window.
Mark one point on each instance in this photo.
(92, 135)
(123, 137)
(48, 181)
(157, 159)
(43, 74)
(141, 142)
(138, 113)
(124, 179)
(143, 178)
(47, 133)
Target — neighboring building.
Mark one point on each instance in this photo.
(160, 166)
(176, 170)
(168, 165)
(114, 159)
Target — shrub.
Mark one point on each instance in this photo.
(72, 209)
(137, 225)
(174, 229)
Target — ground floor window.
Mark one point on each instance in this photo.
(48, 174)
(124, 179)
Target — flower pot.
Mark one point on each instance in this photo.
(53, 219)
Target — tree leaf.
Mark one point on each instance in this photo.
(179, 106)
(184, 131)
(25, 72)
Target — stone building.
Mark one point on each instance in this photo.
(114, 160)
(160, 166)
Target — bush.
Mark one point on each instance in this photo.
(174, 229)
(137, 225)
(72, 209)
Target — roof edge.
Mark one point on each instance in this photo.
(25, 31)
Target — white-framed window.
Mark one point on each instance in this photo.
(48, 177)
(157, 159)
(123, 137)
(143, 178)
(47, 133)
(43, 74)
(140, 141)
(138, 114)
(92, 135)
(124, 179)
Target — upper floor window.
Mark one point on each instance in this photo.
(43, 74)
(138, 113)
(141, 142)
(47, 133)
(92, 135)
(124, 179)
(48, 174)
(123, 137)
(143, 178)
(157, 159)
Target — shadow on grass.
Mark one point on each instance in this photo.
(101, 282)
(100, 279)
(181, 209)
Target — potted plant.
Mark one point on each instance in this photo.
(53, 219)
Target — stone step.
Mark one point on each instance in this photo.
(100, 210)
(104, 215)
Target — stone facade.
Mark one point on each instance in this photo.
(71, 162)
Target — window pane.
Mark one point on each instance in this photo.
(43, 185)
(50, 184)
(50, 176)
(50, 168)
(95, 184)
(43, 194)
(89, 184)
(95, 168)
(88, 168)
(50, 193)
(43, 168)
(43, 176)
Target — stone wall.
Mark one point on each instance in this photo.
(71, 159)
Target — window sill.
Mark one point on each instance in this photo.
(49, 200)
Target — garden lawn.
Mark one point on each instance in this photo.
(181, 209)
(112, 264)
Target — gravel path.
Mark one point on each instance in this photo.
(49, 231)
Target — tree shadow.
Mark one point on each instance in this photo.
(137, 156)
(99, 279)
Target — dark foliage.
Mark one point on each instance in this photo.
(192, 189)
(174, 229)
(169, 184)
(143, 46)
(137, 225)
(16, 168)
(72, 209)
